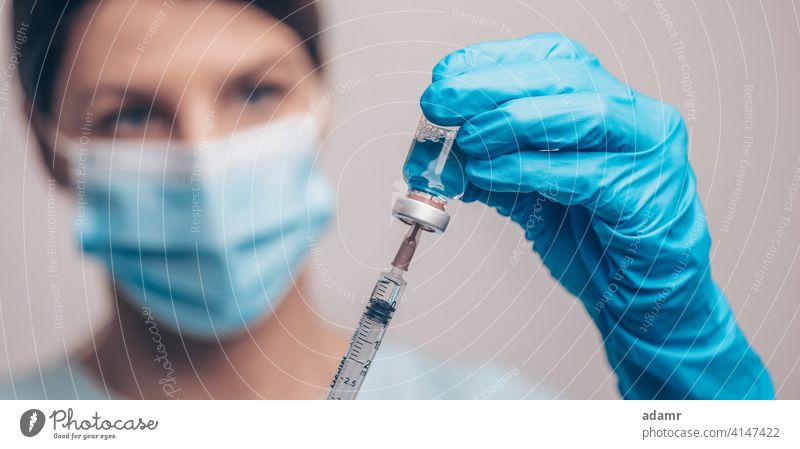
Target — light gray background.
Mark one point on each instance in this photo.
(466, 294)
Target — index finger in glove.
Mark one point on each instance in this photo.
(530, 48)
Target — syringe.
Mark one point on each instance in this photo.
(374, 321)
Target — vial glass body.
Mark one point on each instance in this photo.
(435, 163)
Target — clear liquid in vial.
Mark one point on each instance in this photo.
(436, 167)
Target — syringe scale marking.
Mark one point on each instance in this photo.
(373, 323)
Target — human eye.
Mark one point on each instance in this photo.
(134, 116)
(134, 120)
(124, 119)
(261, 93)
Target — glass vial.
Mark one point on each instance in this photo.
(435, 164)
(434, 172)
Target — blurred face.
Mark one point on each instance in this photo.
(194, 69)
(213, 250)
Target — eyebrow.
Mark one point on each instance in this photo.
(127, 93)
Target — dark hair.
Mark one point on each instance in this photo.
(48, 22)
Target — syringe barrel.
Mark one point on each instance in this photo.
(368, 336)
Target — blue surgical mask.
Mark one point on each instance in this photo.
(208, 237)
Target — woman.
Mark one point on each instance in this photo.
(185, 130)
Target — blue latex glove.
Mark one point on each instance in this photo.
(614, 213)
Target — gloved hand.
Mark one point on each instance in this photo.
(613, 213)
